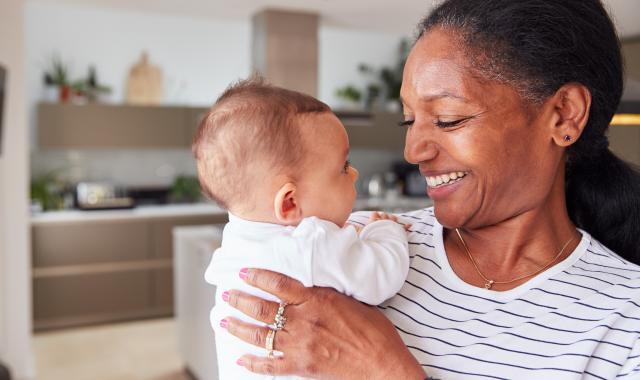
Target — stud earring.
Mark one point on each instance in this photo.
(567, 138)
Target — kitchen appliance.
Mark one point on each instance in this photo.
(414, 183)
(102, 196)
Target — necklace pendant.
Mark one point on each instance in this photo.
(488, 284)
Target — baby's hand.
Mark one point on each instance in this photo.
(357, 227)
(376, 215)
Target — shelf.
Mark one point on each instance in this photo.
(68, 126)
(105, 126)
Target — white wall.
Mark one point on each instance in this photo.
(198, 57)
(342, 50)
(15, 288)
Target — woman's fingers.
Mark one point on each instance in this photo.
(256, 335)
(267, 366)
(285, 288)
(255, 307)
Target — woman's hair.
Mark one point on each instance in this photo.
(537, 46)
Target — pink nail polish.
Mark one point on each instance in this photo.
(225, 296)
(240, 362)
(224, 323)
(244, 273)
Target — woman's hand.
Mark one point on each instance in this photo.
(326, 335)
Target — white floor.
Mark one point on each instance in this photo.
(143, 350)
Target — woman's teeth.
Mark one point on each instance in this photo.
(444, 179)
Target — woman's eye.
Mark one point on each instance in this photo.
(448, 124)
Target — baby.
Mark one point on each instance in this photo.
(277, 161)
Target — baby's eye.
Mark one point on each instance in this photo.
(345, 168)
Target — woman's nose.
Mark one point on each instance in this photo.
(419, 147)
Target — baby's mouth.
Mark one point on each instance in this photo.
(444, 179)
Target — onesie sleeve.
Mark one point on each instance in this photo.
(371, 267)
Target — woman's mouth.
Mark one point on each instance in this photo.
(444, 179)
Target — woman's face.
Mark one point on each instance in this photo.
(487, 156)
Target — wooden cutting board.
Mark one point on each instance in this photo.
(144, 84)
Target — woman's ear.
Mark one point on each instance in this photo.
(286, 205)
(571, 103)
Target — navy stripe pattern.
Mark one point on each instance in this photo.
(582, 322)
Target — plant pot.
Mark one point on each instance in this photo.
(64, 94)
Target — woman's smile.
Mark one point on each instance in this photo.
(444, 179)
(441, 186)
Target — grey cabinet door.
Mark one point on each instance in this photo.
(624, 141)
(378, 130)
(90, 243)
(109, 126)
(105, 271)
(80, 299)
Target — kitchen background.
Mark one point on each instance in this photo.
(101, 257)
(199, 57)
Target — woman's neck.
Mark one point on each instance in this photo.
(515, 247)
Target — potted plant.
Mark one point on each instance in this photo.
(90, 89)
(350, 96)
(58, 76)
(185, 189)
(387, 80)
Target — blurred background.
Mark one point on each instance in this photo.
(104, 236)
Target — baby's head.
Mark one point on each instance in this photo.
(275, 155)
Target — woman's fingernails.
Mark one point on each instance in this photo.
(225, 296)
(240, 362)
(224, 323)
(244, 273)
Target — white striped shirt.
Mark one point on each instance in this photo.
(579, 319)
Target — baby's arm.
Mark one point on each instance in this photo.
(370, 266)
(375, 216)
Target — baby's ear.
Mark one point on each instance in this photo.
(286, 205)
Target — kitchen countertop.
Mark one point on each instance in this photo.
(140, 212)
(398, 204)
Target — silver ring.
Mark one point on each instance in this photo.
(269, 343)
(280, 319)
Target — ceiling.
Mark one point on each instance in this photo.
(380, 15)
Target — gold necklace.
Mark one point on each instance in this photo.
(489, 283)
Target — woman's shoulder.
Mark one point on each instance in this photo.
(599, 257)
(421, 214)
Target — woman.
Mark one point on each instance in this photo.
(510, 277)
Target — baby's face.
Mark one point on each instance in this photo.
(327, 185)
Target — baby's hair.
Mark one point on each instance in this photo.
(252, 126)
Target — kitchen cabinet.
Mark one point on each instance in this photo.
(102, 126)
(68, 126)
(108, 270)
(377, 130)
(624, 141)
